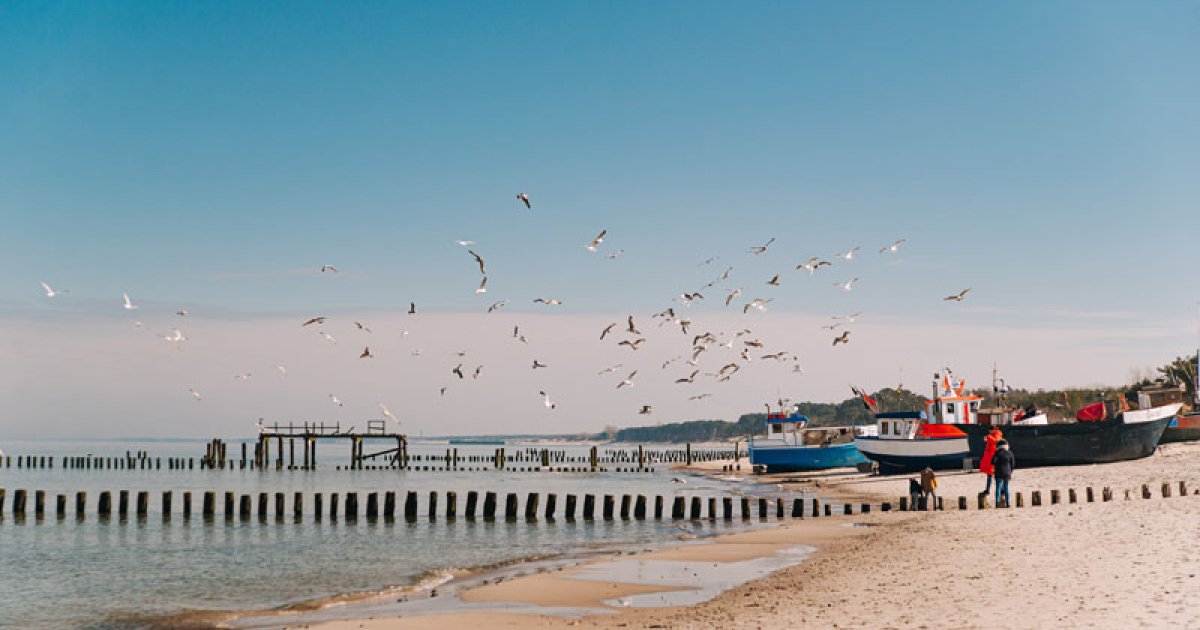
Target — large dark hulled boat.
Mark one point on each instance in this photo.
(1097, 437)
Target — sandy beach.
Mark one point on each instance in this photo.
(1125, 563)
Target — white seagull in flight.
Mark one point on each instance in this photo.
(129, 305)
(846, 286)
(591, 247)
(893, 248)
(51, 292)
(628, 381)
(550, 404)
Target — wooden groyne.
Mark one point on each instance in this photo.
(490, 506)
(269, 454)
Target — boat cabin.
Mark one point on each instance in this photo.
(899, 425)
(951, 404)
(791, 430)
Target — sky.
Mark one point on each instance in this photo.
(211, 157)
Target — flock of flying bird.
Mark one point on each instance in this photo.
(740, 344)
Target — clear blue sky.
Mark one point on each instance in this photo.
(215, 155)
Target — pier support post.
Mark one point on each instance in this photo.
(451, 505)
(372, 505)
(410, 506)
(489, 506)
(695, 513)
(1035, 498)
(609, 502)
(658, 507)
(472, 502)
(531, 505)
(551, 505)
(797, 508)
(589, 507)
(389, 505)
(510, 507)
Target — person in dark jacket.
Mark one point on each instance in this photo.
(1003, 462)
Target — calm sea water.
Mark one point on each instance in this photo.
(108, 573)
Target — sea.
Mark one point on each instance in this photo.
(151, 573)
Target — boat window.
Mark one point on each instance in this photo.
(883, 428)
(775, 428)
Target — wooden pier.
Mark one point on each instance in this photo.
(309, 435)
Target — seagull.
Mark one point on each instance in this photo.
(678, 480)
(688, 298)
(442, 391)
(754, 343)
(758, 303)
(482, 286)
(497, 305)
(412, 308)
(129, 305)
(893, 248)
(361, 327)
(457, 371)
(176, 337)
(478, 369)
(615, 255)
(591, 247)
(334, 400)
(282, 369)
(774, 281)
(478, 260)
(732, 294)
(550, 302)
(628, 382)
(689, 379)
(607, 329)
(51, 292)
(633, 345)
(645, 411)
(465, 243)
(517, 335)
(550, 404)
(957, 298)
(244, 376)
(797, 369)
(631, 328)
(366, 353)
(195, 394)
(761, 248)
(813, 264)
(325, 268)
(707, 261)
(328, 337)
(683, 324)
(609, 369)
(524, 199)
(846, 286)
(842, 338)
(537, 365)
(848, 255)
(699, 397)
(183, 312)
(315, 320)
(387, 413)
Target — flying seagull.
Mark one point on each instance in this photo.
(628, 381)
(645, 411)
(689, 379)
(478, 370)
(412, 308)
(631, 328)
(51, 292)
(849, 255)
(774, 281)
(387, 413)
(732, 294)
(183, 312)
(615, 255)
(334, 399)
(550, 302)
(129, 305)
(633, 345)
(457, 371)
(524, 199)
(893, 248)
(496, 305)
(591, 247)
(957, 298)
(842, 338)
(478, 259)
(244, 376)
(465, 243)
(761, 248)
(537, 365)
(366, 353)
(609, 369)
(328, 337)
(846, 286)
(282, 369)
(195, 394)
(758, 304)
(482, 286)
(330, 268)
(315, 320)
(361, 326)
(607, 329)
(550, 404)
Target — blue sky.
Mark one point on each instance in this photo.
(214, 155)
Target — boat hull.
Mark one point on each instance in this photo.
(801, 458)
(1185, 428)
(1072, 443)
(911, 455)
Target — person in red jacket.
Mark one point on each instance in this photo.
(989, 449)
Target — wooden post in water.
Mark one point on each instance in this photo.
(297, 505)
(80, 503)
(389, 505)
(639, 507)
(695, 513)
(510, 507)
(609, 502)
(570, 508)
(1091, 497)
(1035, 498)
(60, 506)
(166, 505)
(489, 506)
(433, 501)
(688, 460)
(279, 505)
(372, 505)
(104, 508)
(209, 504)
(410, 506)
(333, 505)
(589, 507)
(1071, 497)
(318, 505)
(658, 507)
(263, 504)
(626, 500)
(816, 508)
(472, 502)
(1054, 497)
(762, 508)
(727, 508)
(351, 506)
(1166, 490)
(677, 508)
(19, 498)
(531, 505)
(39, 503)
(828, 509)
(452, 504)
(551, 504)
(123, 503)
(244, 506)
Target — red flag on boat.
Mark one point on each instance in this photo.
(868, 402)
(1094, 412)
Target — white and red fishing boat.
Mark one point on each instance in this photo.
(908, 441)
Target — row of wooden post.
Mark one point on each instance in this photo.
(611, 507)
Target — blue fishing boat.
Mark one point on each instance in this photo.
(790, 446)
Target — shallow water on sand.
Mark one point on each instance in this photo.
(120, 573)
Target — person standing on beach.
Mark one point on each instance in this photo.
(985, 462)
(929, 488)
(1003, 461)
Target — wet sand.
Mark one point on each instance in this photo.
(1126, 563)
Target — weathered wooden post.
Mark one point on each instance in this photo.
(981, 499)
(489, 506)
(123, 503)
(372, 505)
(244, 506)
(333, 505)
(551, 504)
(80, 503)
(962, 502)
(641, 457)
(847, 509)
(639, 507)
(677, 508)
(60, 506)
(609, 503)
(594, 458)
(1020, 500)
(688, 456)
(39, 503)
(351, 506)
(1054, 497)
(1035, 498)
(816, 508)
(263, 504)
(1091, 498)
(1166, 490)
(626, 502)
(19, 497)
(166, 505)
(828, 509)
(727, 508)
(903, 505)
(472, 502)
(1145, 491)
(570, 507)
(510, 507)
(762, 508)
(104, 507)
(410, 506)
(279, 506)
(318, 505)
(797, 508)
(531, 506)
(589, 507)
(1071, 497)
(451, 505)
(1182, 489)
(433, 503)
(695, 513)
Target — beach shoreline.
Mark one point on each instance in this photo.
(1071, 564)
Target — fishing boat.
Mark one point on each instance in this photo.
(1186, 426)
(1101, 433)
(791, 446)
(908, 441)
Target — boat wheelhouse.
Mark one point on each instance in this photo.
(791, 446)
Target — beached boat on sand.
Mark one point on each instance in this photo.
(790, 446)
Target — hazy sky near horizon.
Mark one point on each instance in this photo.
(213, 156)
